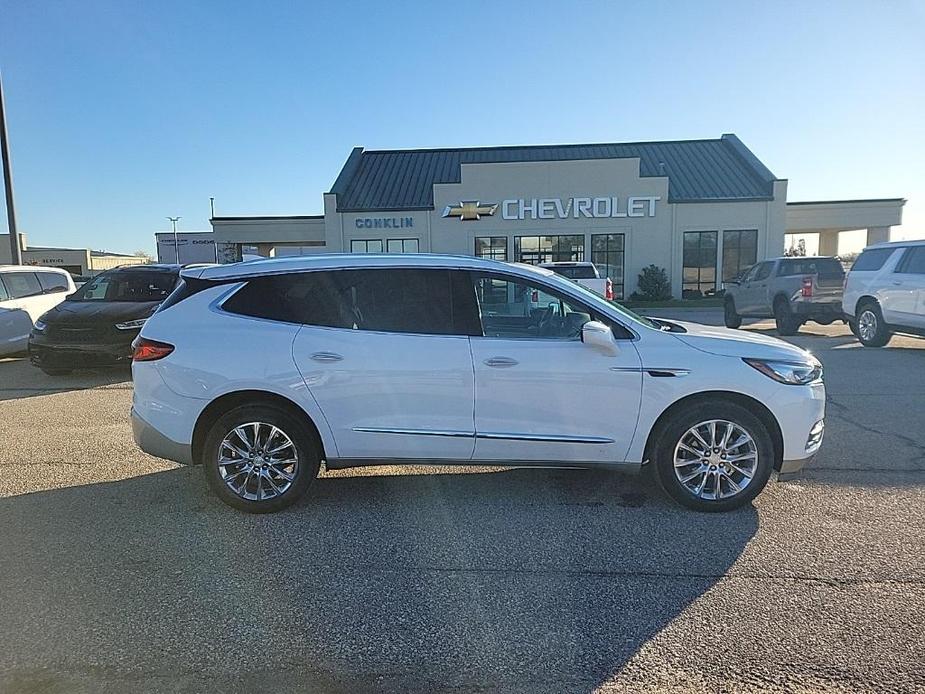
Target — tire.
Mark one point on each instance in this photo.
(252, 497)
(872, 331)
(787, 323)
(730, 317)
(677, 432)
(55, 372)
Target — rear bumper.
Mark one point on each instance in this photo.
(808, 308)
(151, 441)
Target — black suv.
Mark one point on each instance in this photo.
(95, 325)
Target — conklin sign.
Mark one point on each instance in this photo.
(575, 208)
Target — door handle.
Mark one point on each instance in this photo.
(897, 283)
(326, 357)
(500, 362)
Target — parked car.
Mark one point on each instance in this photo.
(585, 274)
(885, 292)
(96, 324)
(260, 371)
(792, 291)
(26, 292)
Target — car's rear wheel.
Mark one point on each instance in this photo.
(787, 323)
(260, 458)
(871, 328)
(714, 456)
(730, 317)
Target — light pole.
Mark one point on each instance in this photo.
(176, 244)
(15, 250)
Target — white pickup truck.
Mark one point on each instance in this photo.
(585, 274)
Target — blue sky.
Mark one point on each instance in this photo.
(121, 114)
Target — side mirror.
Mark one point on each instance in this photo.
(599, 336)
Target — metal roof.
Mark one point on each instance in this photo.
(697, 170)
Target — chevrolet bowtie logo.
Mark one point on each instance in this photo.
(469, 210)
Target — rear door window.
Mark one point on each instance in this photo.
(22, 284)
(872, 260)
(414, 300)
(52, 282)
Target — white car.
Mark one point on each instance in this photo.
(26, 292)
(260, 371)
(885, 292)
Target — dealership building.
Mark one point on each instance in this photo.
(701, 209)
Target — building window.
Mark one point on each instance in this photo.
(740, 252)
(402, 245)
(607, 255)
(549, 249)
(699, 266)
(493, 247)
(366, 246)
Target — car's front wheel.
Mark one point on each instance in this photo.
(713, 456)
(260, 458)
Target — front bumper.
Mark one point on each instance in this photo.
(54, 354)
(151, 441)
(789, 469)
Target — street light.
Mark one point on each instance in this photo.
(176, 244)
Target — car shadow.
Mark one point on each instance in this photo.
(20, 379)
(513, 579)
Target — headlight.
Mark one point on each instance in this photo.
(40, 326)
(794, 373)
(131, 324)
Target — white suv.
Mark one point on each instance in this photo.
(261, 371)
(885, 292)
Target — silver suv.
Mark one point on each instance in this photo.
(790, 290)
(885, 292)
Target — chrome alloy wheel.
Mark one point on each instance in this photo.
(258, 461)
(867, 325)
(715, 459)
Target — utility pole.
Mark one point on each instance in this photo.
(15, 250)
(176, 244)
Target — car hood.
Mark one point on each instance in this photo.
(93, 312)
(737, 343)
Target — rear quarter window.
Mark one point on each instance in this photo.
(872, 260)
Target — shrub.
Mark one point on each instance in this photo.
(653, 284)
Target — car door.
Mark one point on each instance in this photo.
(758, 301)
(905, 290)
(387, 361)
(742, 293)
(541, 394)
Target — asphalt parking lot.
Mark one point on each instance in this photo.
(120, 572)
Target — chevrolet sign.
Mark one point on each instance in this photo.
(558, 208)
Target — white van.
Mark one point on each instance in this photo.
(26, 292)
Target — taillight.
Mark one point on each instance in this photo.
(807, 286)
(608, 290)
(149, 350)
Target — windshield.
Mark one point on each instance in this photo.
(127, 286)
(597, 300)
